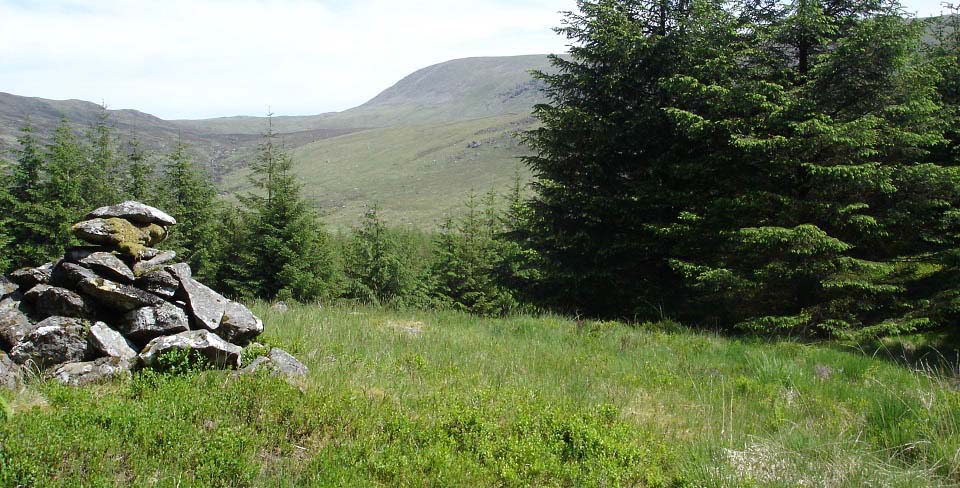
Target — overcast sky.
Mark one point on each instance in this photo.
(209, 58)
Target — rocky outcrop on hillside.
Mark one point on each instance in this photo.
(119, 304)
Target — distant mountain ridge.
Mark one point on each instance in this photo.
(453, 91)
(417, 148)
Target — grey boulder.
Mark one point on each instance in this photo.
(107, 293)
(144, 324)
(218, 352)
(158, 282)
(55, 301)
(28, 278)
(134, 212)
(108, 342)
(160, 259)
(75, 254)
(206, 306)
(108, 266)
(56, 340)
(85, 373)
(14, 323)
(277, 362)
(10, 372)
(239, 325)
(7, 287)
(126, 236)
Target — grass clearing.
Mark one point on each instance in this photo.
(446, 399)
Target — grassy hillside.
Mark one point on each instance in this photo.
(444, 399)
(416, 174)
(407, 149)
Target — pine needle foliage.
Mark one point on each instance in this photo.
(759, 165)
(286, 244)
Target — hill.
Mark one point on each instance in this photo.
(417, 174)
(453, 91)
(220, 152)
(417, 148)
(438, 134)
(445, 399)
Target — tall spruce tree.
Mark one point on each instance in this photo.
(103, 179)
(832, 193)
(187, 193)
(43, 190)
(777, 166)
(605, 155)
(289, 249)
(140, 174)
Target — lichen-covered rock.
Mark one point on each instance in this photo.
(162, 258)
(116, 296)
(134, 212)
(108, 266)
(124, 236)
(85, 373)
(14, 322)
(56, 340)
(217, 351)
(28, 278)
(158, 282)
(239, 325)
(205, 306)
(150, 253)
(69, 275)
(277, 362)
(105, 341)
(10, 372)
(144, 324)
(7, 287)
(74, 254)
(50, 301)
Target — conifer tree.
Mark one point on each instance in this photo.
(140, 172)
(42, 182)
(468, 256)
(103, 178)
(290, 249)
(27, 172)
(380, 267)
(22, 204)
(775, 157)
(6, 239)
(187, 193)
(829, 191)
(234, 256)
(605, 155)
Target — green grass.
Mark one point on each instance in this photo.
(445, 399)
(418, 175)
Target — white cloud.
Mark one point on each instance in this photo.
(190, 58)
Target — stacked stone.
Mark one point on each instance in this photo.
(119, 304)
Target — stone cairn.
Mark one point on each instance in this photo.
(118, 305)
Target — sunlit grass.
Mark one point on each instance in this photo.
(446, 399)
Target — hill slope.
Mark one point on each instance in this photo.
(221, 152)
(457, 90)
(406, 149)
(417, 174)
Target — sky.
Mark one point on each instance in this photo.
(182, 59)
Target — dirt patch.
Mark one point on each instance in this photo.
(414, 328)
